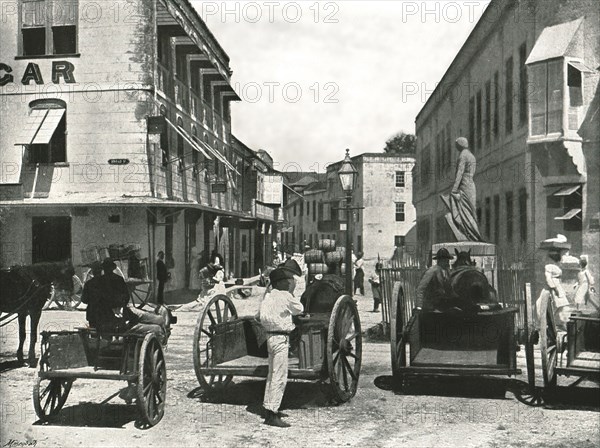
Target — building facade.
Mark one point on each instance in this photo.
(116, 130)
(383, 214)
(524, 90)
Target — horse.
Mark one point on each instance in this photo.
(469, 285)
(25, 289)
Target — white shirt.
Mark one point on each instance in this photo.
(276, 311)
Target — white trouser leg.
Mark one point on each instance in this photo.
(278, 346)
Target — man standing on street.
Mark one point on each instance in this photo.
(162, 275)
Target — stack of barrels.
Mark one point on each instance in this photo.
(326, 259)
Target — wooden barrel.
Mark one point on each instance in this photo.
(313, 256)
(343, 268)
(326, 245)
(317, 268)
(334, 257)
(90, 255)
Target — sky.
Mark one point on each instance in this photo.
(316, 78)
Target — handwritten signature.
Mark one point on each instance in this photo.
(17, 443)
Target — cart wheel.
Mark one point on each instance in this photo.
(548, 342)
(396, 339)
(67, 301)
(344, 349)
(49, 396)
(152, 381)
(530, 396)
(218, 310)
(140, 294)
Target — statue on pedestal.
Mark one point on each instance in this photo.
(460, 202)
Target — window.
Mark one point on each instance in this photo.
(164, 146)
(399, 241)
(523, 215)
(44, 132)
(546, 98)
(574, 85)
(488, 217)
(509, 95)
(314, 211)
(400, 180)
(400, 212)
(496, 219)
(496, 104)
(48, 27)
(479, 120)
(472, 120)
(522, 84)
(307, 208)
(294, 209)
(448, 146)
(180, 148)
(302, 211)
(438, 155)
(195, 161)
(320, 209)
(488, 112)
(425, 165)
(508, 198)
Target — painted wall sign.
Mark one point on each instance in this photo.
(118, 162)
(219, 187)
(60, 69)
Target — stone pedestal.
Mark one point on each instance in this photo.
(484, 255)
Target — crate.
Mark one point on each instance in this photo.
(65, 351)
(229, 342)
(312, 344)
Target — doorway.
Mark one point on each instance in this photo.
(51, 238)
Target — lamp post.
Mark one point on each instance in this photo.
(348, 174)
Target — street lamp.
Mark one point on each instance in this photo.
(348, 174)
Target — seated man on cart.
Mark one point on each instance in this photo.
(107, 297)
(434, 292)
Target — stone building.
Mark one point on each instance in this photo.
(116, 130)
(384, 214)
(524, 90)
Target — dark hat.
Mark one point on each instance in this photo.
(108, 265)
(279, 274)
(443, 253)
(292, 266)
(96, 266)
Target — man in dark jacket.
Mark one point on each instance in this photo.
(92, 295)
(433, 291)
(162, 275)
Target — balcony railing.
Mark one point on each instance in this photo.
(263, 211)
(182, 94)
(164, 80)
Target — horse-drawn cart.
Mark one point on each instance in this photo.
(452, 343)
(571, 353)
(85, 353)
(328, 346)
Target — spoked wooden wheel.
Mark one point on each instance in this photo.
(396, 338)
(531, 396)
(548, 342)
(344, 349)
(66, 300)
(152, 381)
(218, 310)
(49, 396)
(139, 293)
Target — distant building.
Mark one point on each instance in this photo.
(524, 90)
(117, 131)
(384, 214)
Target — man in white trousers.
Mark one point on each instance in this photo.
(275, 314)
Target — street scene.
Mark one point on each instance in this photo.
(299, 223)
